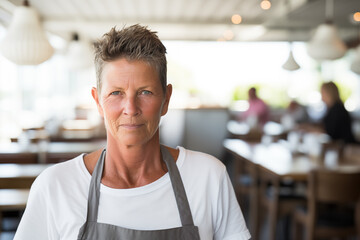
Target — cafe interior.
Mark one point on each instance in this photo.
(291, 181)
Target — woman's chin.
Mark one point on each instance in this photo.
(133, 141)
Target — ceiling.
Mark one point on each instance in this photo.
(193, 19)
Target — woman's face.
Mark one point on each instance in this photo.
(325, 97)
(131, 101)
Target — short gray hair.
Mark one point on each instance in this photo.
(132, 43)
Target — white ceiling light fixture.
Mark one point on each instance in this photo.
(26, 42)
(355, 65)
(290, 64)
(79, 54)
(326, 43)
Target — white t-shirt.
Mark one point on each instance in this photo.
(57, 204)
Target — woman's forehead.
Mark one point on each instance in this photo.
(125, 71)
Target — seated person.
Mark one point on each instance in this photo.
(337, 122)
(295, 114)
(258, 111)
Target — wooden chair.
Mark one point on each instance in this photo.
(279, 199)
(346, 152)
(246, 189)
(351, 154)
(330, 187)
(335, 146)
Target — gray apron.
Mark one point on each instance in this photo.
(92, 230)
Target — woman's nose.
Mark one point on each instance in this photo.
(131, 107)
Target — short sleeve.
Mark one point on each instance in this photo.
(230, 223)
(36, 222)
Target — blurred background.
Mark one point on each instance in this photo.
(216, 51)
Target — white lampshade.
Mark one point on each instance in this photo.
(79, 54)
(291, 64)
(326, 44)
(26, 42)
(355, 65)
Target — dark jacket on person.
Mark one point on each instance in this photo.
(338, 123)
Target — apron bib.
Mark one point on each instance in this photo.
(92, 230)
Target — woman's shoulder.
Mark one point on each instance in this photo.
(61, 172)
(63, 166)
(338, 107)
(200, 161)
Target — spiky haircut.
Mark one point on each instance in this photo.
(132, 43)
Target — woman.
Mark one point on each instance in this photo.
(337, 121)
(135, 188)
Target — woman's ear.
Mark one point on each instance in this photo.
(95, 95)
(167, 99)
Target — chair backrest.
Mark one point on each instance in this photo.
(335, 146)
(351, 153)
(330, 186)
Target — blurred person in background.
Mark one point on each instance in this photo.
(295, 114)
(258, 112)
(337, 122)
(297, 111)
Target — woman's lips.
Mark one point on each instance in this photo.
(131, 126)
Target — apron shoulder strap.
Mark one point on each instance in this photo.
(178, 187)
(94, 189)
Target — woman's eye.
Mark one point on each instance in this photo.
(146, 92)
(115, 93)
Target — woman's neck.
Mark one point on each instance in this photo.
(132, 166)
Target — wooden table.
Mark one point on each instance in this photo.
(62, 151)
(46, 152)
(274, 163)
(271, 130)
(277, 159)
(19, 176)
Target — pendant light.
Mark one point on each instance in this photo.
(290, 64)
(26, 42)
(79, 55)
(355, 65)
(326, 43)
